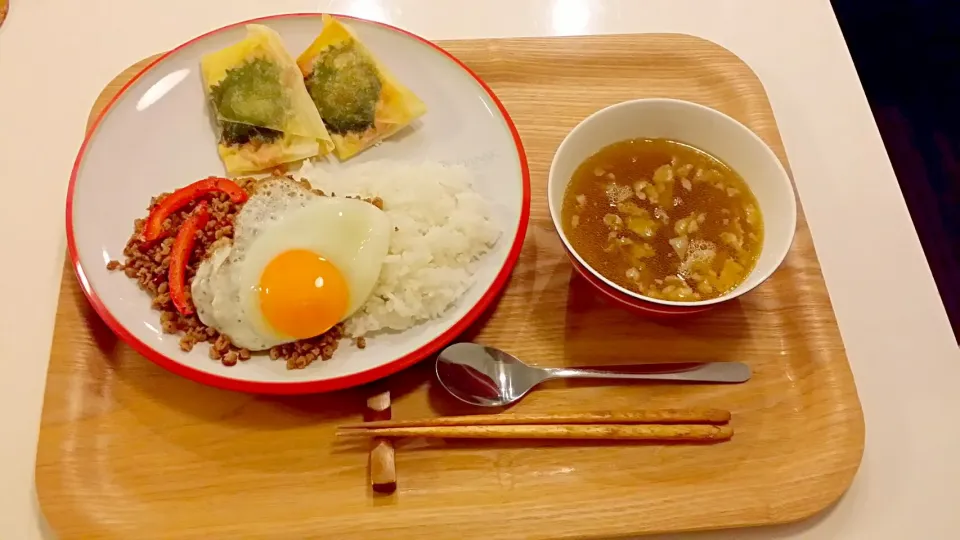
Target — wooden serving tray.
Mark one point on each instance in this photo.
(128, 450)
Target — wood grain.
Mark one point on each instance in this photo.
(128, 450)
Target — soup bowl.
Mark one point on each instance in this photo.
(701, 127)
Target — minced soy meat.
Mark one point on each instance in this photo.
(149, 265)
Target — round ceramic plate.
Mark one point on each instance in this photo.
(156, 136)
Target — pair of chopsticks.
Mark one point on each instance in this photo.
(703, 425)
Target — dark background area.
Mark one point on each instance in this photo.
(907, 54)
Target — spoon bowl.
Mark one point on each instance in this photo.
(488, 377)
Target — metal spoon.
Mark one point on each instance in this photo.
(489, 377)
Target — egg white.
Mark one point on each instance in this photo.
(281, 216)
(353, 235)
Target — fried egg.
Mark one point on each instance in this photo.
(299, 263)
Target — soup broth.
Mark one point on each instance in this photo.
(663, 219)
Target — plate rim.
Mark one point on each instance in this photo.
(300, 387)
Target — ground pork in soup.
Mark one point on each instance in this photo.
(663, 219)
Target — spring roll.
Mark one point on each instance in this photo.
(360, 102)
(263, 113)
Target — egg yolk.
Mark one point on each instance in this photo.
(302, 294)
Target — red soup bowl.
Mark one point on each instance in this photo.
(701, 127)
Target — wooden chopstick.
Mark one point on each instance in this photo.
(665, 416)
(635, 432)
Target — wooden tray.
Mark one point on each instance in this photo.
(129, 450)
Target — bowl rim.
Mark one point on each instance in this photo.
(765, 150)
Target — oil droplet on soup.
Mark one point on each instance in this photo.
(664, 219)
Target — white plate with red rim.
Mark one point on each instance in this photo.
(156, 136)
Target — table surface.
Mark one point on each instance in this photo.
(55, 57)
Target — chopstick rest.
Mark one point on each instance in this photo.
(383, 467)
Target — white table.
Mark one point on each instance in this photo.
(55, 57)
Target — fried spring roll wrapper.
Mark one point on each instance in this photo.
(263, 113)
(358, 98)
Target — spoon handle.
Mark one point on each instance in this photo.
(712, 372)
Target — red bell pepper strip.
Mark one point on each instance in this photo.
(180, 256)
(184, 196)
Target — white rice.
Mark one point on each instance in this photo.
(441, 229)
